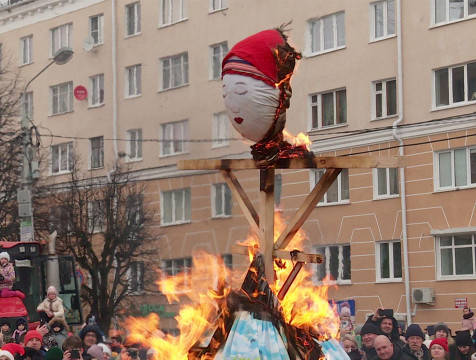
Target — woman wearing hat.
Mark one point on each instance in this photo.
(439, 349)
(7, 277)
(51, 306)
(463, 347)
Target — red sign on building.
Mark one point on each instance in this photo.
(80, 92)
(461, 303)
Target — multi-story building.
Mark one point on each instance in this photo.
(381, 77)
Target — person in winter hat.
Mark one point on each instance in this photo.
(54, 353)
(388, 325)
(346, 324)
(34, 346)
(20, 330)
(7, 277)
(58, 330)
(414, 346)
(463, 347)
(439, 349)
(468, 322)
(51, 306)
(90, 335)
(14, 349)
(96, 352)
(6, 355)
(369, 332)
(440, 330)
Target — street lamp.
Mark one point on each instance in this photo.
(25, 209)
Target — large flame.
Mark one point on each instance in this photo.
(305, 305)
(297, 140)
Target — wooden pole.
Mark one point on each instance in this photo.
(266, 222)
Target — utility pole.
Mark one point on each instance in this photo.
(25, 208)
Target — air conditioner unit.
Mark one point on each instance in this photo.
(423, 296)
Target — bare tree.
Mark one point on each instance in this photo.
(103, 223)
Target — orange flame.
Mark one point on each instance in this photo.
(299, 139)
(305, 306)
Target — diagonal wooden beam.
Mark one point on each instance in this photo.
(266, 222)
(242, 199)
(306, 208)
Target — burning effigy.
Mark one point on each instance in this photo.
(283, 318)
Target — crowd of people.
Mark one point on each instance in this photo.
(383, 338)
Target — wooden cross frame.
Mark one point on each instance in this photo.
(263, 224)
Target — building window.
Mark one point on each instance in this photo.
(385, 182)
(26, 55)
(61, 36)
(96, 215)
(338, 191)
(60, 220)
(176, 206)
(455, 168)
(62, 158)
(336, 265)
(382, 14)
(456, 256)
(133, 19)
(327, 33)
(96, 86)
(220, 130)
(217, 54)
(453, 10)
(221, 200)
(133, 80)
(455, 85)
(97, 152)
(328, 109)
(389, 261)
(384, 96)
(27, 105)
(172, 11)
(134, 151)
(96, 28)
(174, 71)
(136, 278)
(173, 138)
(216, 5)
(181, 272)
(61, 98)
(134, 211)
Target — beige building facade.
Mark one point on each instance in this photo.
(392, 77)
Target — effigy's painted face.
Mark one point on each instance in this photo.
(250, 104)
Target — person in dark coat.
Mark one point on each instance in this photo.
(388, 325)
(414, 346)
(369, 332)
(463, 347)
(386, 350)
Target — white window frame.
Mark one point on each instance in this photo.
(220, 130)
(59, 148)
(389, 173)
(177, 12)
(97, 34)
(453, 162)
(61, 36)
(384, 96)
(96, 216)
(386, 33)
(216, 59)
(27, 105)
(96, 90)
(133, 81)
(325, 264)
(136, 8)
(92, 153)
(468, 98)
(316, 108)
(218, 5)
(135, 277)
(314, 177)
(57, 94)
(320, 23)
(170, 268)
(391, 257)
(171, 65)
(222, 191)
(173, 138)
(447, 20)
(467, 248)
(134, 142)
(26, 50)
(186, 202)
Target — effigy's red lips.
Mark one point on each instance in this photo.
(238, 120)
